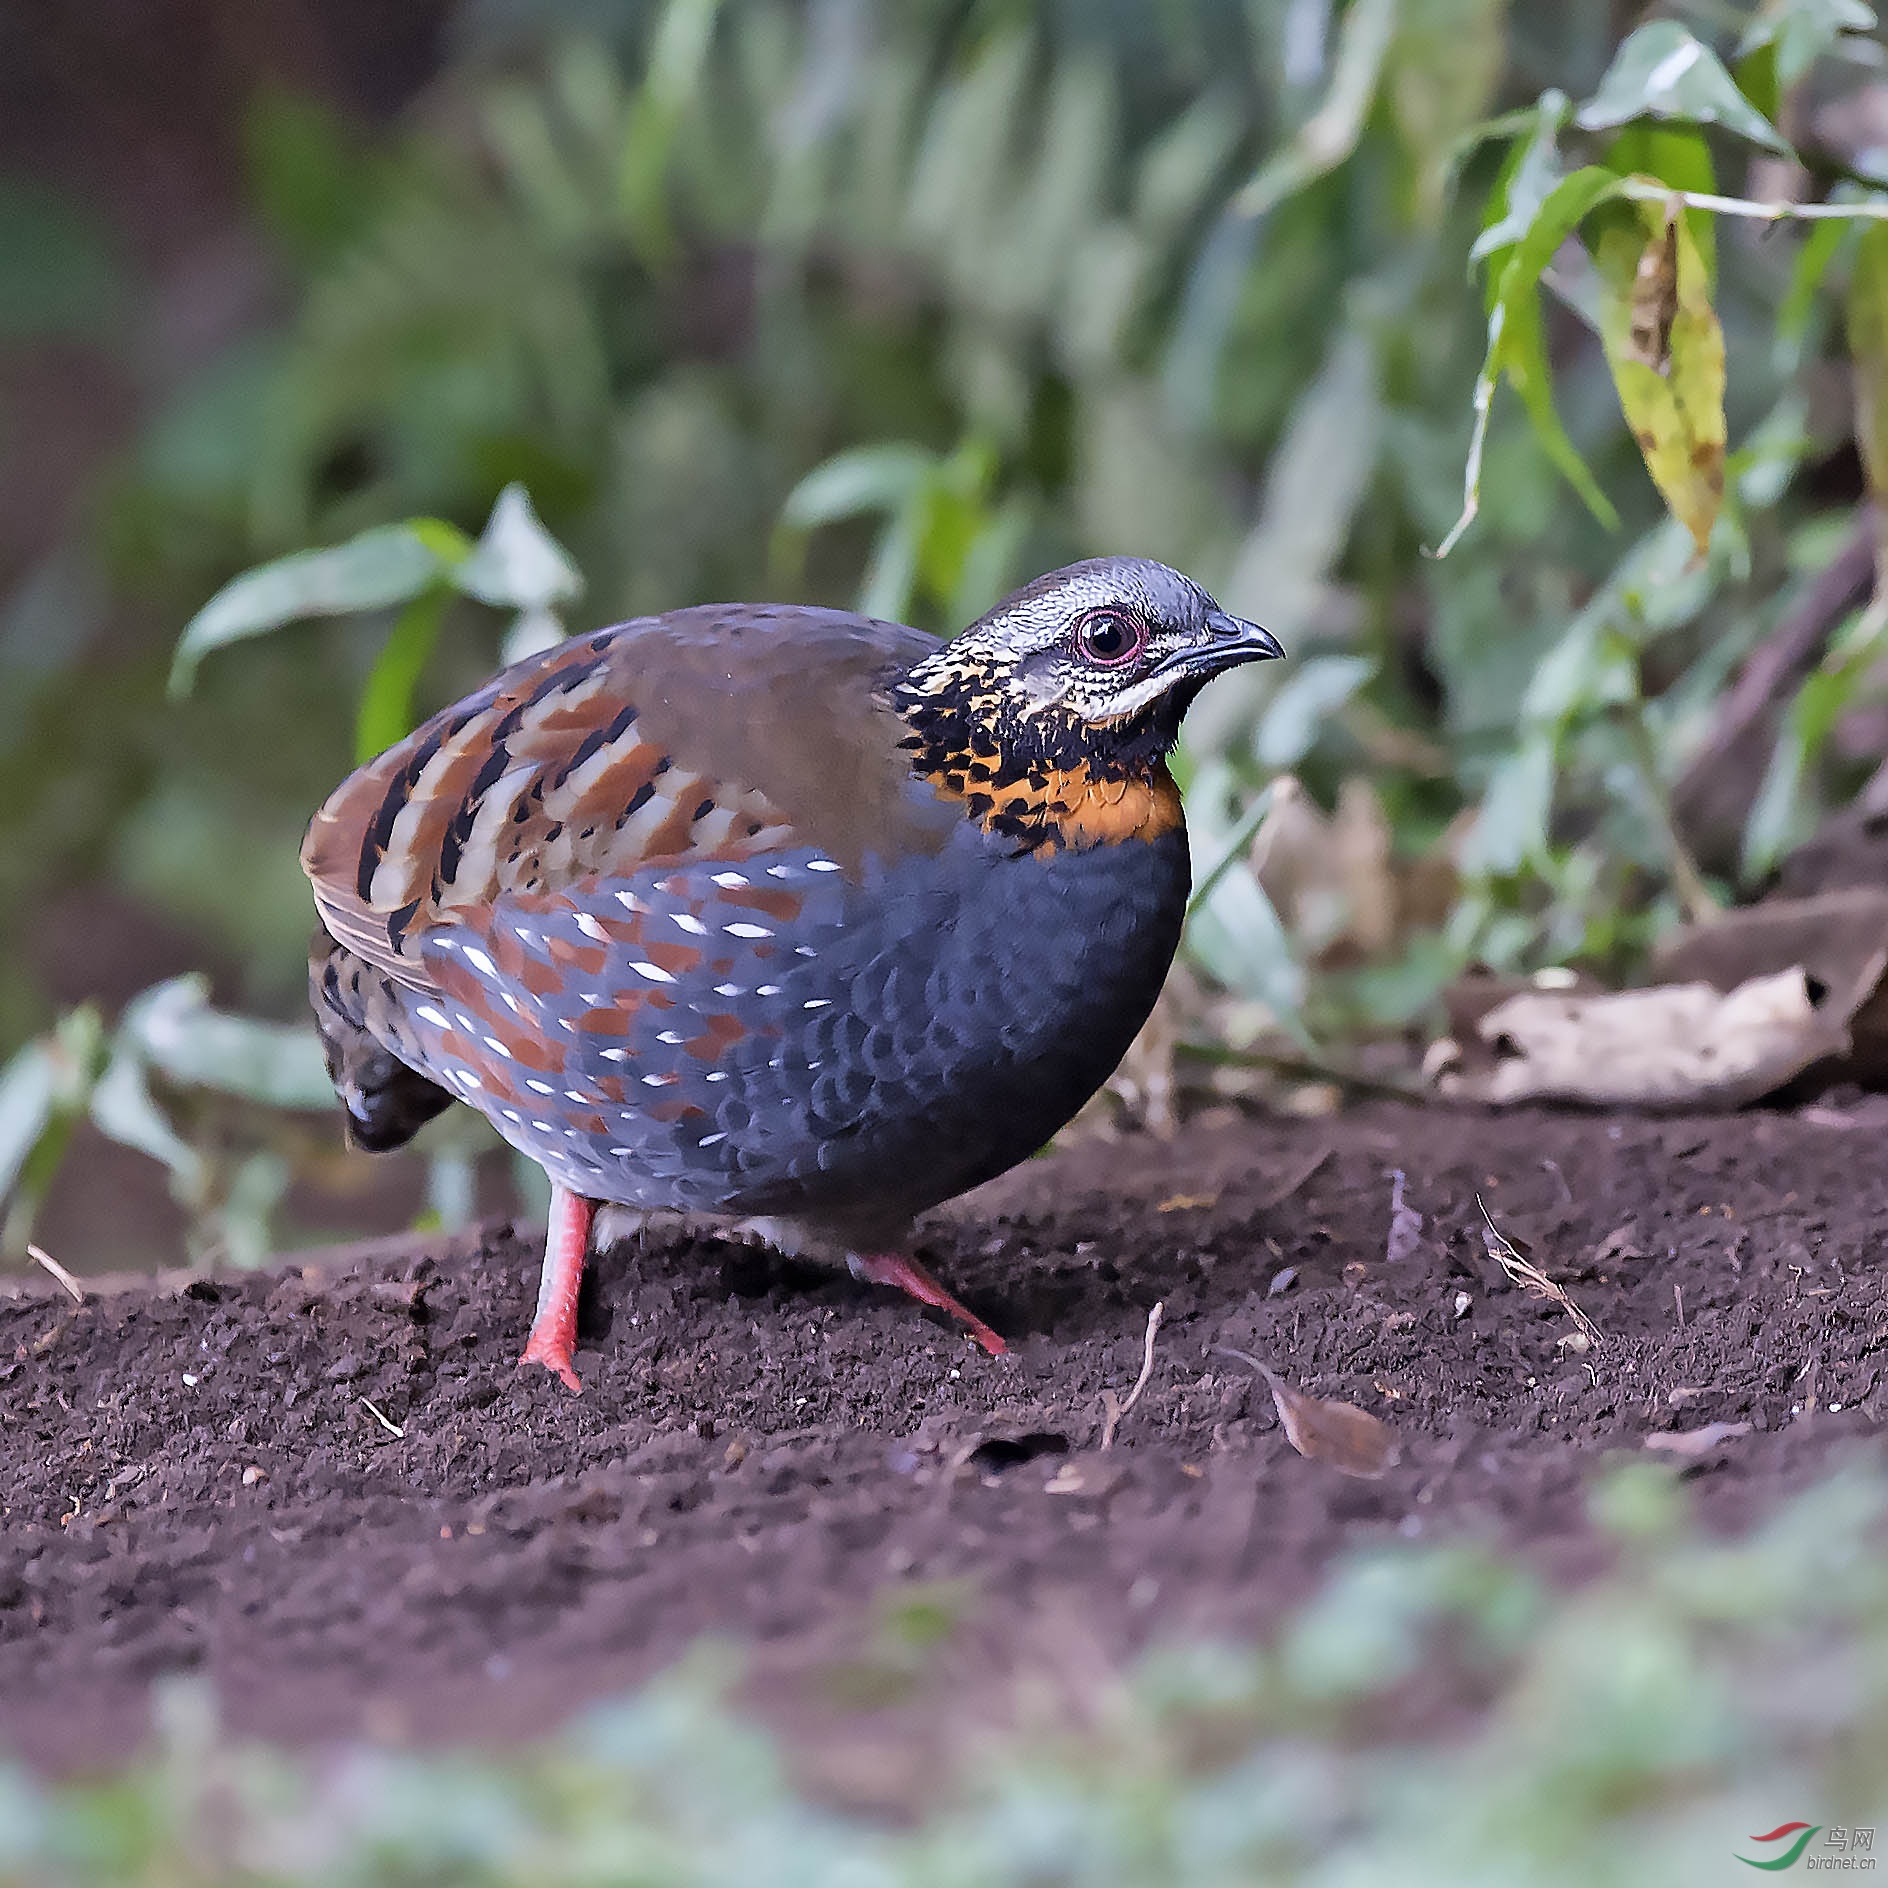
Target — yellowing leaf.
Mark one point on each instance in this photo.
(1666, 351)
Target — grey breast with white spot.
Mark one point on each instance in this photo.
(900, 1037)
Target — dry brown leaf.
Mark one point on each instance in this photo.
(1334, 880)
(1092, 1476)
(1839, 938)
(1620, 1246)
(1690, 1443)
(1674, 1045)
(1340, 1435)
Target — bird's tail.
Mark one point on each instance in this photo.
(358, 1015)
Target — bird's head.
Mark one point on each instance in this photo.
(1095, 661)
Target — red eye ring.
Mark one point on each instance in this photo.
(1110, 638)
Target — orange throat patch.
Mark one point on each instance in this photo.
(1070, 808)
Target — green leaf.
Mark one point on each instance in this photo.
(1317, 480)
(891, 575)
(1233, 931)
(1294, 717)
(388, 565)
(173, 1028)
(1663, 71)
(43, 1091)
(1330, 134)
(1868, 346)
(1782, 816)
(989, 569)
(1444, 65)
(1510, 829)
(530, 633)
(385, 714)
(313, 187)
(1237, 936)
(1678, 157)
(516, 563)
(1756, 75)
(1515, 345)
(1798, 32)
(1181, 164)
(678, 57)
(1798, 307)
(1666, 350)
(1524, 360)
(865, 479)
(125, 1110)
(1528, 177)
(28, 1101)
(1588, 669)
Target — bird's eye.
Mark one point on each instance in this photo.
(1109, 637)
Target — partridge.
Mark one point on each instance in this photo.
(773, 914)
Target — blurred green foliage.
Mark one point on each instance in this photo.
(1637, 1730)
(904, 303)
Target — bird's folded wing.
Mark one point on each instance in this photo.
(714, 733)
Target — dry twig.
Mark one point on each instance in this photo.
(1112, 1407)
(59, 1272)
(392, 1428)
(1529, 1276)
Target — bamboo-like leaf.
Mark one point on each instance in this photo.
(1315, 690)
(1524, 361)
(1515, 346)
(1330, 134)
(1232, 929)
(1510, 829)
(1781, 816)
(678, 55)
(1528, 177)
(1868, 348)
(125, 1110)
(1666, 352)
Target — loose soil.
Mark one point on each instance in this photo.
(330, 1489)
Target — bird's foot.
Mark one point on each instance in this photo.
(544, 1350)
(892, 1268)
(554, 1329)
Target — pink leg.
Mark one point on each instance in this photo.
(554, 1329)
(891, 1268)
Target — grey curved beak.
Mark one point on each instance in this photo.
(1232, 640)
(1236, 640)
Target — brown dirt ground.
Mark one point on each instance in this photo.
(191, 1475)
